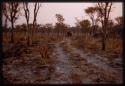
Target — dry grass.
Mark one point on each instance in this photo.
(40, 46)
(89, 43)
(114, 45)
(85, 42)
(40, 54)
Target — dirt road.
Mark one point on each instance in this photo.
(70, 66)
(76, 66)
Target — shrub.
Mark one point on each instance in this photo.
(114, 45)
(86, 42)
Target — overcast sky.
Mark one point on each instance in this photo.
(68, 10)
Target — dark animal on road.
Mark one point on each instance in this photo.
(69, 34)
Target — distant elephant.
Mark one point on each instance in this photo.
(69, 34)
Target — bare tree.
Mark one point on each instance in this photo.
(27, 16)
(12, 12)
(104, 10)
(4, 12)
(36, 9)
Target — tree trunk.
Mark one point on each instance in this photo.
(104, 35)
(12, 33)
(92, 27)
(33, 29)
(5, 25)
(28, 36)
(104, 42)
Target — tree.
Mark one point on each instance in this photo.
(119, 26)
(12, 12)
(60, 26)
(27, 16)
(83, 24)
(36, 9)
(92, 13)
(49, 25)
(4, 11)
(104, 10)
(60, 18)
(110, 23)
(4, 14)
(119, 20)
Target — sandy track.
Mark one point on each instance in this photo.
(81, 71)
(70, 66)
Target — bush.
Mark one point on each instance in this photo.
(86, 42)
(114, 45)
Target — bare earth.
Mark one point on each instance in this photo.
(70, 66)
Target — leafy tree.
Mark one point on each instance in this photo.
(91, 11)
(83, 24)
(60, 26)
(60, 18)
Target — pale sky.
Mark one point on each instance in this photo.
(69, 11)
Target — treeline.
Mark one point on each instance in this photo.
(99, 24)
(48, 28)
